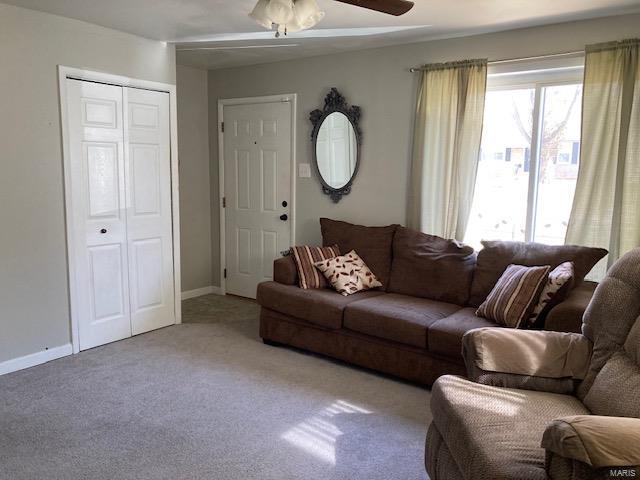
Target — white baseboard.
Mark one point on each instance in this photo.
(198, 292)
(34, 359)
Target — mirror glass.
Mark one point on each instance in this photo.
(336, 150)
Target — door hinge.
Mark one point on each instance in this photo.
(225, 273)
(222, 127)
(224, 202)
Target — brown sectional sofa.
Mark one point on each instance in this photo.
(413, 326)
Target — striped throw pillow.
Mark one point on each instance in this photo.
(304, 257)
(514, 296)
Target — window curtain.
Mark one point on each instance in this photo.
(606, 206)
(448, 131)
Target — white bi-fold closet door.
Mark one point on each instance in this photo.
(120, 175)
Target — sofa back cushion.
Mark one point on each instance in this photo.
(372, 244)
(497, 255)
(431, 267)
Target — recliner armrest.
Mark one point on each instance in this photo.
(285, 271)
(597, 441)
(528, 352)
(529, 359)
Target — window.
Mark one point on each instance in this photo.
(529, 157)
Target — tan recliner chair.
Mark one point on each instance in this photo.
(546, 405)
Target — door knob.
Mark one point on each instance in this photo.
(103, 230)
(284, 217)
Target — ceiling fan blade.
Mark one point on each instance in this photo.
(392, 7)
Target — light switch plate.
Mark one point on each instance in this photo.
(304, 170)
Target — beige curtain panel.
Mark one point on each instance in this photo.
(448, 131)
(606, 206)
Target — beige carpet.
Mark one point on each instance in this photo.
(207, 400)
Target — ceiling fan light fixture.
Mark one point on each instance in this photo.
(280, 11)
(307, 13)
(288, 16)
(259, 14)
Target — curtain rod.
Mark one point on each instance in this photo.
(509, 60)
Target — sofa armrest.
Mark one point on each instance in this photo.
(567, 315)
(595, 440)
(285, 271)
(529, 359)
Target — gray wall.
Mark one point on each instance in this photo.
(378, 81)
(195, 200)
(34, 297)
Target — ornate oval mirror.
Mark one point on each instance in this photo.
(336, 144)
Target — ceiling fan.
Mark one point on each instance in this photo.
(290, 16)
(392, 7)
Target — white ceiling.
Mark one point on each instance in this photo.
(231, 38)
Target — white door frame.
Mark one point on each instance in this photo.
(292, 99)
(81, 74)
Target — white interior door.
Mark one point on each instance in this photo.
(148, 191)
(257, 183)
(96, 142)
(120, 184)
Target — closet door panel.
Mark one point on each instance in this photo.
(149, 227)
(99, 235)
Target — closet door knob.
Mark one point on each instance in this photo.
(284, 217)
(103, 230)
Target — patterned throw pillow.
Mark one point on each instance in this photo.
(514, 296)
(304, 257)
(348, 274)
(558, 278)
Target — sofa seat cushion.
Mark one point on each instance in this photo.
(445, 335)
(395, 317)
(495, 433)
(323, 306)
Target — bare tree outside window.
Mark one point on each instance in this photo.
(503, 187)
(555, 124)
